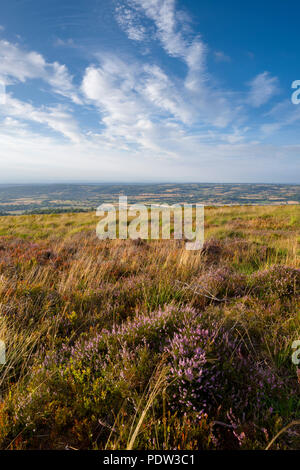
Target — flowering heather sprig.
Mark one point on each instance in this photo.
(222, 281)
(187, 365)
(155, 329)
(210, 368)
(279, 280)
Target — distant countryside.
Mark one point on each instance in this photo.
(31, 199)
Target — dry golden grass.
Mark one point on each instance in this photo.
(59, 285)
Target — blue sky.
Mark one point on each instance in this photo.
(149, 90)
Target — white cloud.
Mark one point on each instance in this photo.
(129, 22)
(20, 65)
(171, 28)
(270, 128)
(56, 118)
(283, 114)
(142, 108)
(61, 82)
(127, 103)
(200, 96)
(64, 42)
(17, 64)
(221, 57)
(262, 88)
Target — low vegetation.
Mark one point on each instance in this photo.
(144, 345)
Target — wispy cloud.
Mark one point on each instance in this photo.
(17, 64)
(221, 57)
(64, 42)
(129, 22)
(171, 28)
(262, 88)
(56, 118)
(130, 100)
(173, 31)
(281, 115)
(142, 108)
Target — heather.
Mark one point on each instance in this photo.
(144, 345)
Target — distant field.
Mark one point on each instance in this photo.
(67, 197)
(144, 345)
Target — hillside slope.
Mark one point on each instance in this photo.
(123, 344)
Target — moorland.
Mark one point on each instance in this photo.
(132, 344)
